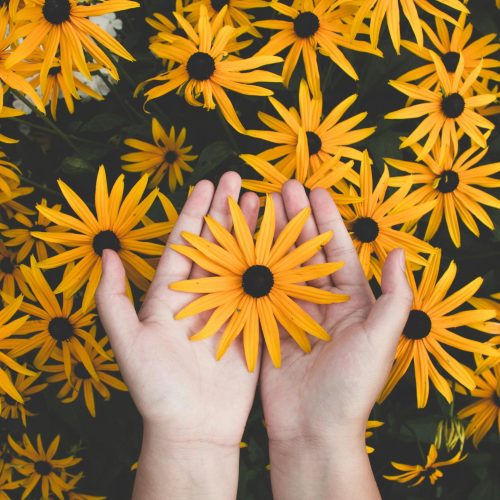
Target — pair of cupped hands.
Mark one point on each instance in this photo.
(196, 405)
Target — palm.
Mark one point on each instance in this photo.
(336, 383)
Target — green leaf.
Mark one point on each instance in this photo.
(103, 122)
(210, 158)
(76, 165)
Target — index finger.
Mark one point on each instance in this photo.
(340, 247)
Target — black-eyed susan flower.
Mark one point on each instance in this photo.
(7, 329)
(450, 433)
(449, 46)
(254, 283)
(11, 278)
(430, 324)
(329, 176)
(377, 10)
(64, 25)
(10, 408)
(53, 324)
(9, 175)
(72, 480)
(492, 327)
(305, 139)
(11, 206)
(236, 13)
(8, 73)
(167, 155)
(116, 225)
(314, 25)
(485, 410)
(207, 66)
(6, 470)
(22, 237)
(40, 467)
(371, 220)
(371, 424)
(453, 182)
(8, 11)
(448, 110)
(419, 473)
(81, 380)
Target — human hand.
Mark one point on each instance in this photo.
(316, 405)
(193, 407)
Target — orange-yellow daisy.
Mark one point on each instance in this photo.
(40, 467)
(10, 408)
(305, 140)
(431, 324)
(64, 25)
(313, 25)
(255, 282)
(167, 155)
(449, 47)
(431, 469)
(371, 220)
(445, 109)
(377, 10)
(81, 380)
(485, 411)
(116, 225)
(11, 278)
(206, 66)
(21, 237)
(53, 324)
(452, 183)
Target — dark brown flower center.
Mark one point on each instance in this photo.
(55, 70)
(218, 4)
(365, 229)
(450, 61)
(448, 181)
(61, 329)
(418, 325)
(453, 105)
(171, 156)
(258, 281)
(105, 239)
(306, 24)
(313, 142)
(81, 371)
(201, 66)
(6, 265)
(43, 468)
(56, 11)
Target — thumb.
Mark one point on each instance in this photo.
(389, 314)
(116, 311)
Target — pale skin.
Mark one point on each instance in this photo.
(316, 405)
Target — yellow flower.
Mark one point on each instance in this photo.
(65, 25)
(236, 12)
(450, 432)
(431, 469)
(371, 219)
(6, 330)
(451, 182)
(11, 278)
(114, 226)
(206, 66)
(305, 141)
(52, 324)
(313, 25)
(22, 237)
(40, 466)
(331, 174)
(485, 411)
(492, 327)
(378, 9)
(254, 283)
(429, 325)
(447, 108)
(80, 378)
(449, 47)
(168, 154)
(9, 175)
(10, 408)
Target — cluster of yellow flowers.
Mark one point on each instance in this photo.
(48, 321)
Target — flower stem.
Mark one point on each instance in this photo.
(49, 122)
(41, 187)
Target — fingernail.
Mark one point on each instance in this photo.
(402, 258)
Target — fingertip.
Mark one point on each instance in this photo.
(232, 179)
